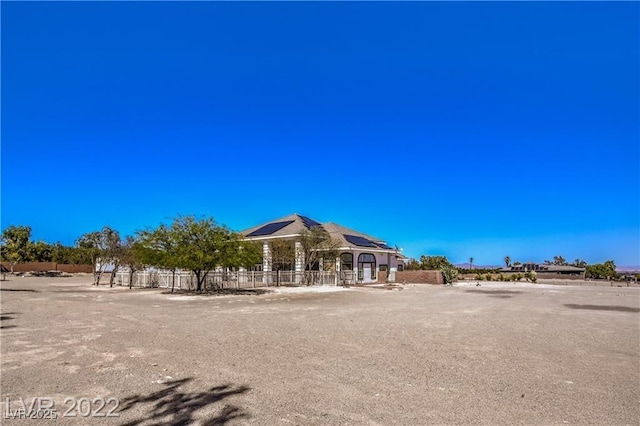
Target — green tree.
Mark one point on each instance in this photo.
(412, 265)
(579, 263)
(507, 261)
(16, 245)
(59, 253)
(559, 260)
(159, 248)
(236, 252)
(113, 251)
(131, 256)
(40, 251)
(433, 262)
(606, 270)
(449, 273)
(200, 245)
(317, 245)
(101, 248)
(283, 255)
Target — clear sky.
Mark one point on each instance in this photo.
(464, 129)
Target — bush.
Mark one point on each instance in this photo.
(449, 273)
(488, 277)
(517, 277)
(479, 277)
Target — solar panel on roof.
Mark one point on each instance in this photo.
(383, 246)
(269, 228)
(359, 241)
(309, 223)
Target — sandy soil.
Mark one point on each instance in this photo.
(494, 354)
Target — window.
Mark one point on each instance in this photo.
(366, 258)
(383, 268)
(346, 262)
(400, 267)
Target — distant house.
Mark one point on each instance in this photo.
(547, 270)
(361, 258)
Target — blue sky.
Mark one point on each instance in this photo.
(463, 129)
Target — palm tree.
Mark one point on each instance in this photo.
(507, 261)
(471, 263)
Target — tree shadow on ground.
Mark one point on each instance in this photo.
(175, 406)
(603, 308)
(494, 291)
(7, 316)
(222, 291)
(20, 289)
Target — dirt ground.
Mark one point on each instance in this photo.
(494, 354)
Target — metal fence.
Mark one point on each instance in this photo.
(186, 280)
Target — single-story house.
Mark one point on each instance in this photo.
(563, 270)
(361, 257)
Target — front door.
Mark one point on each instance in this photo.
(366, 276)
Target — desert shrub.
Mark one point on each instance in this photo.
(488, 277)
(479, 277)
(449, 273)
(517, 277)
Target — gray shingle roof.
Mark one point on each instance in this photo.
(294, 224)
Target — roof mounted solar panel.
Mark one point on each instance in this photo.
(359, 241)
(309, 223)
(384, 246)
(270, 228)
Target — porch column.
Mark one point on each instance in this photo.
(266, 262)
(337, 270)
(299, 262)
(391, 270)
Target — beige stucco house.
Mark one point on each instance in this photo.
(362, 256)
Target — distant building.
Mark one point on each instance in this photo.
(362, 256)
(547, 270)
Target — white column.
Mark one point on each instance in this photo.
(299, 262)
(391, 270)
(266, 262)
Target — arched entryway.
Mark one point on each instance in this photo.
(366, 267)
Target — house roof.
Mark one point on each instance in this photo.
(292, 225)
(548, 268)
(285, 226)
(567, 268)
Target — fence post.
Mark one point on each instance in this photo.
(253, 279)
